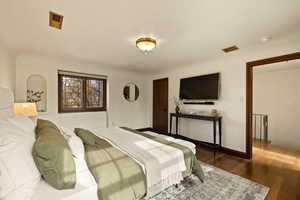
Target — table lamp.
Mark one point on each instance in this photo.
(27, 109)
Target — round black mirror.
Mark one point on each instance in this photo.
(131, 92)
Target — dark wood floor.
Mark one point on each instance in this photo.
(275, 167)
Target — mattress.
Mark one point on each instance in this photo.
(86, 187)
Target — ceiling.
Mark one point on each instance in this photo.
(104, 32)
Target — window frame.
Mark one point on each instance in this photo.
(61, 109)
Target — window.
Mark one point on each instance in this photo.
(81, 92)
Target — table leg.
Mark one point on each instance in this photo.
(176, 126)
(171, 124)
(215, 134)
(220, 133)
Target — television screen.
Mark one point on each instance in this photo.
(204, 87)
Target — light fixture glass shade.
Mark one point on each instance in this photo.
(27, 109)
(146, 44)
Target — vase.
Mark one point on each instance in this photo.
(177, 109)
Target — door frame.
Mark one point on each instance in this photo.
(153, 102)
(249, 92)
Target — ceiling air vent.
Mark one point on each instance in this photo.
(230, 49)
(55, 20)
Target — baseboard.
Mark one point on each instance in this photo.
(235, 153)
(153, 130)
(160, 132)
(223, 149)
(203, 144)
(144, 129)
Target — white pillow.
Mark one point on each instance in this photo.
(67, 132)
(24, 123)
(4, 114)
(24, 192)
(74, 142)
(6, 185)
(19, 174)
(23, 175)
(11, 135)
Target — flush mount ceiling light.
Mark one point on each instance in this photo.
(146, 44)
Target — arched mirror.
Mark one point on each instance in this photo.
(37, 91)
(131, 92)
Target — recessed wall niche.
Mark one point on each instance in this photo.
(37, 91)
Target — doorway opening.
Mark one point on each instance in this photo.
(266, 87)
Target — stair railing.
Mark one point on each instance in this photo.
(260, 127)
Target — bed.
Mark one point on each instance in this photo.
(86, 187)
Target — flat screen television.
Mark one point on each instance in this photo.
(205, 87)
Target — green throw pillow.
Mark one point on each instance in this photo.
(44, 124)
(53, 156)
(86, 136)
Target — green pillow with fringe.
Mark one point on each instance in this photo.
(53, 156)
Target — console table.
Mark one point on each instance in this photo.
(214, 119)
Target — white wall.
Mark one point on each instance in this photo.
(277, 94)
(120, 112)
(7, 68)
(232, 103)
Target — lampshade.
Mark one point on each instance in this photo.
(146, 44)
(27, 109)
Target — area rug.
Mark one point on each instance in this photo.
(218, 185)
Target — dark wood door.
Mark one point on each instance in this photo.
(160, 105)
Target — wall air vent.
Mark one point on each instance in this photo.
(55, 20)
(230, 49)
